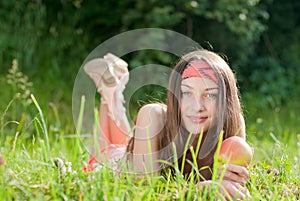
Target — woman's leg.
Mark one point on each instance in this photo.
(110, 76)
(104, 131)
(119, 134)
(110, 132)
(112, 138)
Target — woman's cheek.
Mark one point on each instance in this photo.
(185, 102)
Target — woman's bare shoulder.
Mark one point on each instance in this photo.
(151, 117)
(155, 111)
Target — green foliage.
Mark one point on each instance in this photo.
(47, 41)
(271, 80)
(50, 39)
(273, 66)
(28, 174)
(42, 38)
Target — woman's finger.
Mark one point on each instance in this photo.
(234, 190)
(234, 178)
(239, 192)
(234, 173)
(240, 170)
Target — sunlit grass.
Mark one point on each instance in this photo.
(28, 174)
(32, 141)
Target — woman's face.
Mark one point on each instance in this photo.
(198, 103)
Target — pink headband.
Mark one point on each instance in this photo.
(200, 68)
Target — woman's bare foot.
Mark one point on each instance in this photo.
(100, 71)
(104, 74)
(119, 67)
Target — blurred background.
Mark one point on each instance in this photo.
(43, 43)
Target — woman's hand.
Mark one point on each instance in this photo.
(234, 173)
(232, 184)
(233, 181)
(229, 189)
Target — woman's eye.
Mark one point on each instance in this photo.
(186, 93)
(211, 95)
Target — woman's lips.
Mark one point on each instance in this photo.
(197, 119)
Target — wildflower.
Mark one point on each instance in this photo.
(93, 165)
(19, 83)
(274, 171)
(63, 167)
(2, 160)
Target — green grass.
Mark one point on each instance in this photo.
(29, 172)
(33, 135)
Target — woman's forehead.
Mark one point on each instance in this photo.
(197, 83)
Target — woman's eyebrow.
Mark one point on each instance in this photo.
(185, 85)
(212, 88)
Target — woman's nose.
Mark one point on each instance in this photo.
(199, 103)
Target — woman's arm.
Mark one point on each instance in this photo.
(232, 181)
(149, 123)
(235, 177)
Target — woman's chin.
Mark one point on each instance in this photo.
(195, 129)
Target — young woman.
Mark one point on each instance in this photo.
(202, 102)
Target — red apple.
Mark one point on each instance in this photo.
(235, 150)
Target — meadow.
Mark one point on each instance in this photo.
(36, 129)
(51, 39)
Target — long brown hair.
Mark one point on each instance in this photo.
(228, 117)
